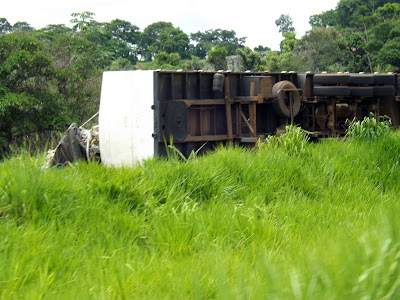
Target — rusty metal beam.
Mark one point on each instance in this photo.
(204, 138)
(247, 123)
(202, 102)
(252, 118)
(228, 112)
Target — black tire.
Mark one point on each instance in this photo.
(331, 78)
(363, 91)
(382, 91)
(281, 102)
(331, 91)
(384, 79)
(361, 79)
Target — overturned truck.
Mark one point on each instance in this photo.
(141, 110)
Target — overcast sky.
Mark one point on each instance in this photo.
(252, 19)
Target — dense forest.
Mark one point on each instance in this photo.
(51, 77)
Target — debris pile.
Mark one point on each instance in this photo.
(76, 143)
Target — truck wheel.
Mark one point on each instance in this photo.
(331, 91)
(361, 91)
(331, 78)
(384, 79)
(281, 101)
(361, 79)
(382, 91)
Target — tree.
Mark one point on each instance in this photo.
(78, 65)
(272, 62)
(150, 39)
(22, 26)
(26, 102)
(121, 64)
(389, 54)
(260, 48)
(358, 60)
(251, 60)
(82, 21)
(164, 60)
(207, 40)
(288, 60)
(289, 42)
(347, 13)
(324, 49)
(285, 24)
(325, 19)
(174, 40)
(367, 29)
(123, 31)
(217, 57)
(291, 62)
(53, 29)
(390, 11)
(5, 27)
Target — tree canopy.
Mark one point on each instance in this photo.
(369, 33)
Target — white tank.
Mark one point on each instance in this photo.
(126, 118)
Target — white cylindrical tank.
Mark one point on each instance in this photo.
(126, 118)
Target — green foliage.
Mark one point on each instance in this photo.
(369, 31)
(289, 41)
(123, 31)
(22, 27)
(369, 128)
(261, 48)
(5, 26)
(121, 64)
(174, 40)
(317, 224)
(323, 49)
(173, 153)
(22, 62)
(82, 21)
(288, 59)
(251, 60)
(209, 39)
(150, 39)
(285, 24)
(26, 103)
(78, 68)
(390, 53)
(217, 57)
(293, 140)
(163, 58)
(324, 19)
(272, 62)
(193, 64)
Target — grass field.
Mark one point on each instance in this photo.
(283, 221)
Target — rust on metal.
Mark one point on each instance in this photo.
(239, 107)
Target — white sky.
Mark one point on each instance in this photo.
(254, 19)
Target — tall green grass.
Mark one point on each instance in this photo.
(371, 127)
(302, 221)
